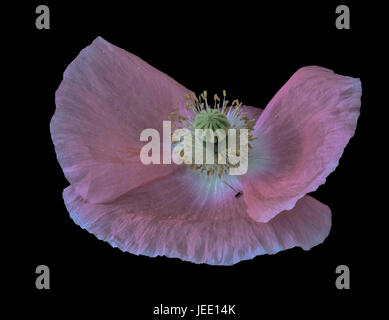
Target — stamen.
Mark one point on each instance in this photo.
(220, 116)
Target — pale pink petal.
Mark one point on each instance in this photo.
(166, 218)
(107, 97)
(253, 112)
(300, 137)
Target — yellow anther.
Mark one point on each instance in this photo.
(234, 102)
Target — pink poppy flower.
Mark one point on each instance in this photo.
(108, 96)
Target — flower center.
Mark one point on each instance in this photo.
(221, 115)
(211, 119)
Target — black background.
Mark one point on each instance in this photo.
(249, 50)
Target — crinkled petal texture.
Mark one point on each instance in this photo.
(107, 97)
(301, 136)
(167, 217)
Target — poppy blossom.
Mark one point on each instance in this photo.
(198, 213)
